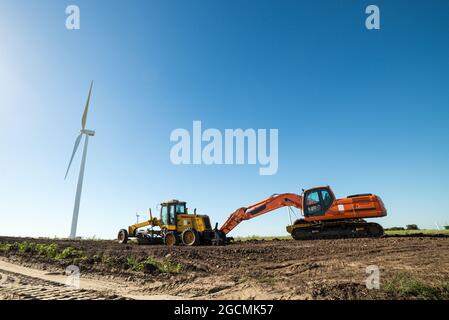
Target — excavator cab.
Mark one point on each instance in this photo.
(317, 201)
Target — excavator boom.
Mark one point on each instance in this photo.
(274, 202)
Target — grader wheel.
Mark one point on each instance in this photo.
(190, 237)
(170, 239)
(122, 236)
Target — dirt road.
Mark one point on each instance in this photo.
(28, 284)
(409, 267)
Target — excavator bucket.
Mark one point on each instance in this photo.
(220, 238)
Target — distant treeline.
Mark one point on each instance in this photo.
(409, 227)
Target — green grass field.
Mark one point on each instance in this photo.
(255, 237)
(387, 232)
(412, 232)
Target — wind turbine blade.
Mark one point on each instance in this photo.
(86, 108)
(75, 147)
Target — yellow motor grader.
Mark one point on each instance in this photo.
(175, 226)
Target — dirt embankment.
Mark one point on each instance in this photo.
(410, 267)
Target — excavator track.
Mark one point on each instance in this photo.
(337, 230)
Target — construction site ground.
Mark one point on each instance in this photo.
(410, 267)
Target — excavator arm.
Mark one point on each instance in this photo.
(272, 203)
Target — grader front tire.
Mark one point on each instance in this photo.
(122, 236)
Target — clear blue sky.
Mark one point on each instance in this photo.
(362, 111)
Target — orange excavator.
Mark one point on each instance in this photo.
(324, 215)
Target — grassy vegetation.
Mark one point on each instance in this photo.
(106, 260)
(402, 232)
(387, 232)
(70, 253)
(407, 286)
(6, 247)
(73, 255)
(411, 232)
(268, 280)
(50, 251)
(259, 278)
(255, 237)
(151, 264)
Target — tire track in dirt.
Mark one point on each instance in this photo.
(22, 287)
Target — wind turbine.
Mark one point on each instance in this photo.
(87, 133)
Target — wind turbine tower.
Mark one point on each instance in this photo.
(86, 133)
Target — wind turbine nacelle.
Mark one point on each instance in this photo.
(88, 132)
